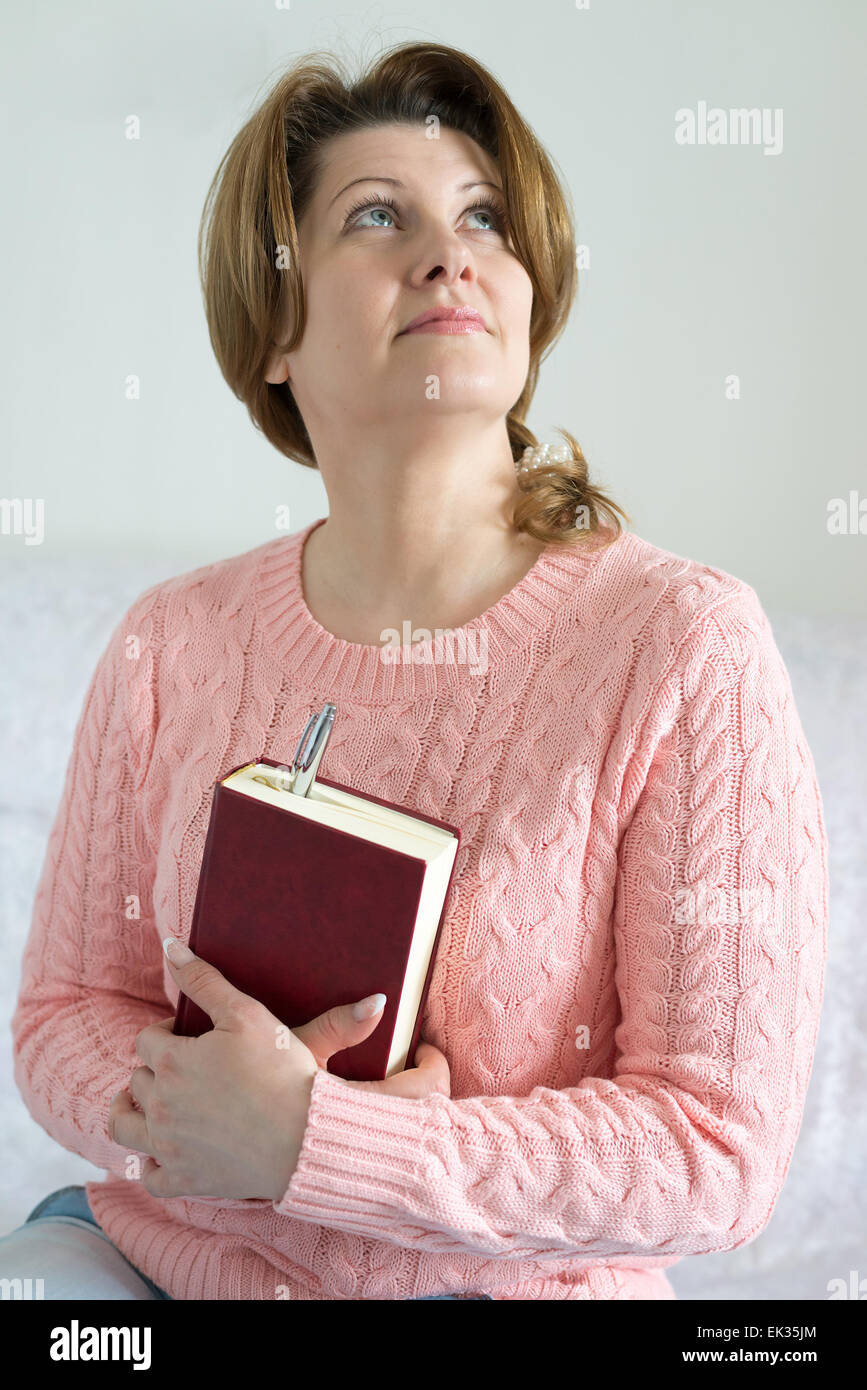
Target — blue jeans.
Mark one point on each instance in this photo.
(61, 1253)
(64, 1252)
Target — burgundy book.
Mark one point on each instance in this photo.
(321, 896)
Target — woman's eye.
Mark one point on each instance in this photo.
(355, 216)
(371, 212)
(487, 212)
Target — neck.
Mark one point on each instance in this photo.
(407, 530)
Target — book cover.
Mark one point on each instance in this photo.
(304, 916)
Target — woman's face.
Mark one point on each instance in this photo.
(368, 273)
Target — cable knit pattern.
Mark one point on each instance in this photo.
(630, 974)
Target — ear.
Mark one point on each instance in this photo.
(277, 370)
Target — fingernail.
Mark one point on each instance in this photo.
(368, 1007)
(177, 952)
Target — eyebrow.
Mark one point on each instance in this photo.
(369, 178)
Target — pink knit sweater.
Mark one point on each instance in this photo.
(631, 969)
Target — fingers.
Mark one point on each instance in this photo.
(202, 982)
(141, 1083)
(126, 1125)
(153, 1179)
(153, 1041)
(335, 1030)
(430, 1076)
(431, 1070)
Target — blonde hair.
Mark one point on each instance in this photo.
(264, 183)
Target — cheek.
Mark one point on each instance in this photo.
(349, 317)
(520, 293)
(511, 292)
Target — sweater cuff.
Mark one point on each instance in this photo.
(361, 1156)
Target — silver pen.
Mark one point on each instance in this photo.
(311, 746)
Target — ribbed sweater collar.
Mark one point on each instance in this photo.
(357, 671)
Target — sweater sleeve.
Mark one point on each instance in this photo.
(719, 926)
(92, 974)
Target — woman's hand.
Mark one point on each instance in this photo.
(224, 1114)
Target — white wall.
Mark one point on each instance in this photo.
(705, 261)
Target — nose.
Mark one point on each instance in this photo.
(450, 260)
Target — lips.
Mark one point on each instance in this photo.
(462, 314)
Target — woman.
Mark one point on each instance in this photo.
(621, 1020)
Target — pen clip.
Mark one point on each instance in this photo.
(311, 746)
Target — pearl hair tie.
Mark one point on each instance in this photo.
(540, 455)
